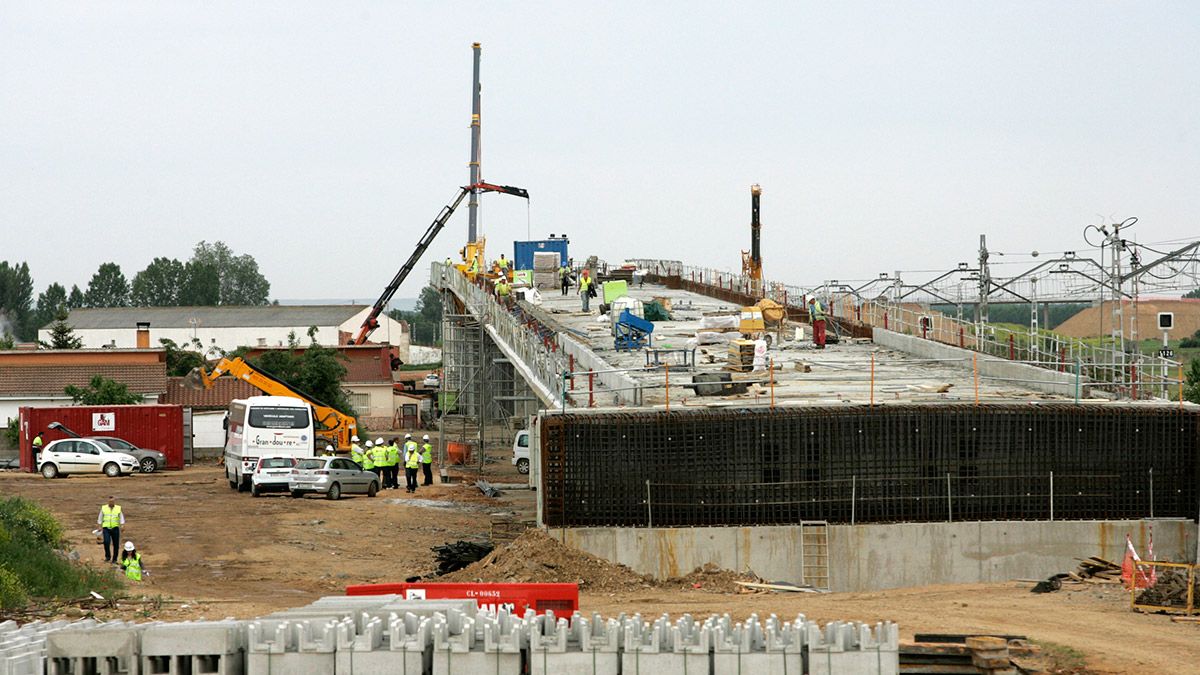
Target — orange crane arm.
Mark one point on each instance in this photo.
(341, 425)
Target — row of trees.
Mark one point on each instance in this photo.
(214, 275)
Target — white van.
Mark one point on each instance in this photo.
(265, 425)
(520, 450)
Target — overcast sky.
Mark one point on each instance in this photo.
(324, 137)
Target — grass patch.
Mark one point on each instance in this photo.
(420, 366)
(1062, 659)
(34, 562)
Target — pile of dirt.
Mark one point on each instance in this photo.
(711, 578)
(535, 557)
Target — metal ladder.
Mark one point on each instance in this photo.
(814, 554)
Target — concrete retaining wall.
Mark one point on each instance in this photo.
(875, 557)
(1032, 377)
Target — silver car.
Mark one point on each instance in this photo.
(333, 477)
(148, 460)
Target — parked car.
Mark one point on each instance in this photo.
(148, 461)
(333, 477)
(273, 474)
(83, 455)
(432, 381)
(520, 458)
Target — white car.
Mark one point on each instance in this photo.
(272, 474)
(432, 381)
(520, 458)
(83, 455)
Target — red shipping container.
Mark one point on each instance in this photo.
(153, 427)
(562, 599)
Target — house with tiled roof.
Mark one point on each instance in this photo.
(228, 327)
(38, 378)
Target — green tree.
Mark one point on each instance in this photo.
(158, 285)
(16, 300)
(1194, 293)
(108, 287)
(425, 321)
(50, 303)
(7, 342)
(181, 361)
(62, 335)
(102, 391)
(201, 285)
(239, 280)
(1191, 387)
(75, 300)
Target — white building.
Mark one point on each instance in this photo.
(228, 328)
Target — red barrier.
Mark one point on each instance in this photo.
(562, 599)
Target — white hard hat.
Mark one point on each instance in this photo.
(354, 438)
(329, 448)
(425, 437)
(408, 435)
(379, 441)
(129, 546)
(370, 444)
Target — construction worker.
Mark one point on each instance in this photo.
(131, 560)
(503, 291)
(412, 462)
(355, 447)
(817, 315)
(110, 521)
(356, 453)
(379, 459)
(503, 265)
(585, 290)
(564, 278)
(427, 459)
(38, 442)
(474, 267)
(393, 455)
(368, 463)
(329, 451)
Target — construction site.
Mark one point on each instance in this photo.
(731, 471)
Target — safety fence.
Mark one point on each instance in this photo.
(894, 463)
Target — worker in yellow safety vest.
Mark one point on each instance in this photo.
(503, 264)
(379, 458)
(816, 314)
(368, 461)
(427, 459)
(412, 462)
(585, 290)
(110, 520)
(564, 278)
(131, 560)
(393, 459)
(356, 452)
(38, 441)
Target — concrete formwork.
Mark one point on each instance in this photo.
(879, 556)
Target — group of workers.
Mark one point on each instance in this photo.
(385, 459)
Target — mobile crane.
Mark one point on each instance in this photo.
(334, 426)
(472, 254)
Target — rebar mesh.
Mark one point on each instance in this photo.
(857, 464)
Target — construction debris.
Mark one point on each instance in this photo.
(1092, 570)
(1169, 589)
(535, 557)
(487, 489)
(460, 554)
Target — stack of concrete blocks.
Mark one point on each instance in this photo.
(383, 646)
(482, 643)
(750, 646)
(104, 649)
(545, 271)
(23, 648)
(661, 648)
(582, 645)
(210, 647)
(284, 646)
(844, 647)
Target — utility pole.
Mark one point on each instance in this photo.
(473, 204)
(985, 282)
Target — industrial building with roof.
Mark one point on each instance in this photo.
(227, 328)
(38, 378)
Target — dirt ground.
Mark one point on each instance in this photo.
(213, 553)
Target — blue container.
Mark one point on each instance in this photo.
(523, 251)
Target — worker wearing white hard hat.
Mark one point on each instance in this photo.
(131, 560)
(354, 438)
(368, 462)
(412, 463)
(427, 459)
(329, 451)
(356, 451)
